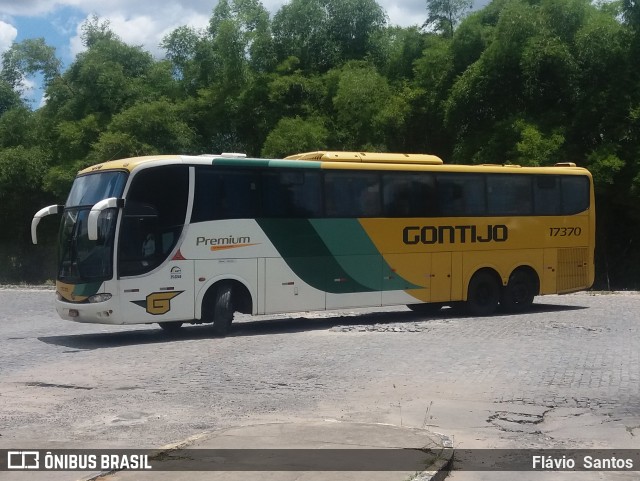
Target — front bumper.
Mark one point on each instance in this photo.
(107, 312)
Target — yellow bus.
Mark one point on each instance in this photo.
(175, 239)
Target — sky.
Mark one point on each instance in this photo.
(141, 22)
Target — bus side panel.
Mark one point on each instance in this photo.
(549, 284)
(363, 286)
(163, 295)
(286, 292)
(441, 277)
(457, 289)
(208, 272)
(414, 271)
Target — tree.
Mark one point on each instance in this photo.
(324, 33)
(292, 135)
(26, 58)
(360, 99)
(21, 195)
(631, 13)
(181, 47)
(398, 49)
(444, 15)
(144, 129)
(18, 127)
(9, 98)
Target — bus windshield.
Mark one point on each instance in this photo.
(80, 259)
(89, 189)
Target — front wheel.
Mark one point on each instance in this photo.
(483, 295)
(219, 309)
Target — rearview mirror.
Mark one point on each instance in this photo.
(49, 210)
(96, 210)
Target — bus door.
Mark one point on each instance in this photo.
(440, 277)
(155, 283)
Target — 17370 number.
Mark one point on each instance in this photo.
(564, 231)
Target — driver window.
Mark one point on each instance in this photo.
(153, 218)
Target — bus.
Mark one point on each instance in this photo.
(193, 239)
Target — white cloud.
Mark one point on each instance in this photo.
(27, 7)
(8, 34)
(145, 29)
(400, 15)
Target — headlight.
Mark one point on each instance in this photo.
(99, 298)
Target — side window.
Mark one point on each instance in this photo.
(289, 193)
(352, 194)
(225, 194)
(153, 218)
(575, 194)
(408, 194)
(547, 195)
(461, 194)
(509, 195)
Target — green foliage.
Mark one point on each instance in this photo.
(361, 96)
(605, 166)
(22, 170)
(18, 127)
(444, 15)
(535, 148)
(144, 129)
(27, 58)
(532, 82)
(292, 135)
(324, 33)
(9, 98)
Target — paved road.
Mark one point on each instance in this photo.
(565, 375)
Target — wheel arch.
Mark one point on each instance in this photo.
(243, 297)
(530, 271)
(491, 270)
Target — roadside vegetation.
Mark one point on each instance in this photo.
(530, 82)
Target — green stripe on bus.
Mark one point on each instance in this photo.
(240, 162)
(297, 164)
(304, 252)
(353, 249)
(332, 255)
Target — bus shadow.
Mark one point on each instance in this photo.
(249, 327)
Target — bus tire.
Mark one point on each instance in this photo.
(172, 326)
(519, 292)
(426, 308)
(220, 309)
(483, 295)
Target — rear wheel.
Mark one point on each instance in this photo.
(518, 295)
(219, 309)
(483, 295)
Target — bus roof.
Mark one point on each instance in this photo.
(373, 157)
(335, 160)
